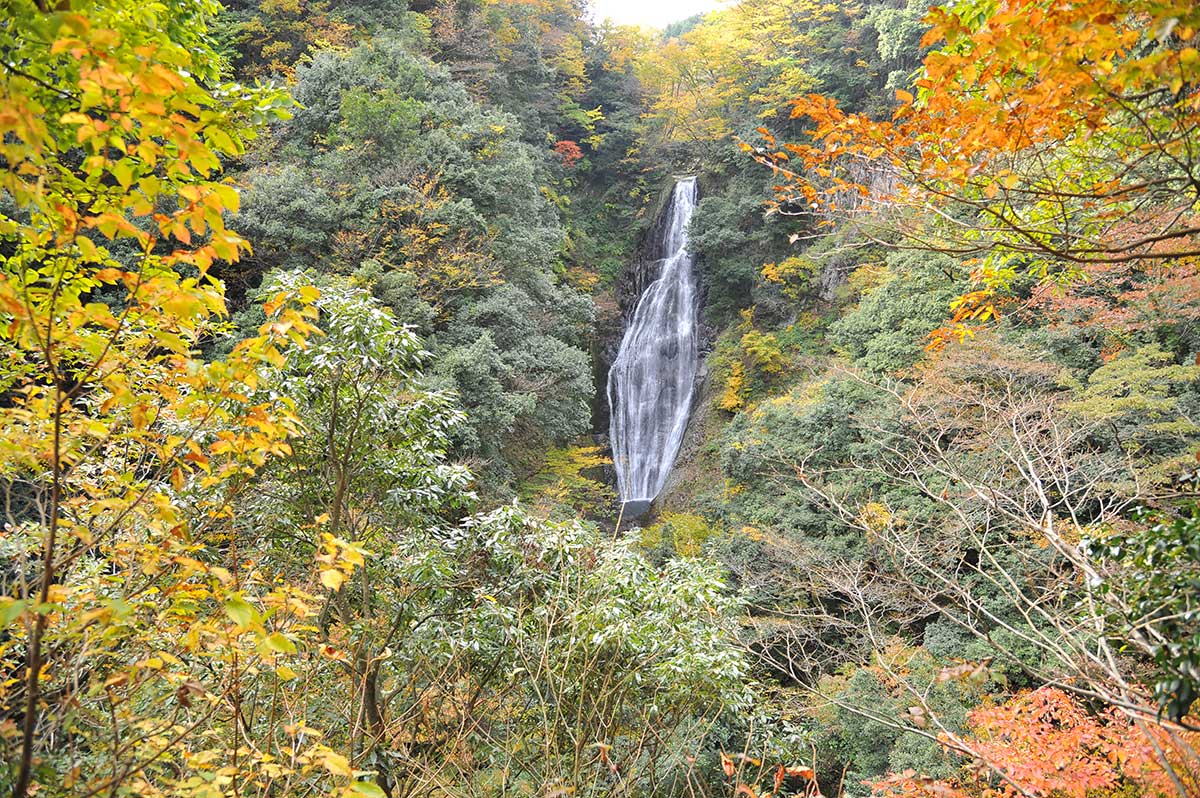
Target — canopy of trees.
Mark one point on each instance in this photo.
(305, 310)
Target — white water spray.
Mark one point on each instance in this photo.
(651, 381)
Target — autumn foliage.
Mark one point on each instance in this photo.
(120, 447)
(1047, 743)
(266, 544)
(1039, 131)
(569, 152)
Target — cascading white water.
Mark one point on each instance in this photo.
(651, 380)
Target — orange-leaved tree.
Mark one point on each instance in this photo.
(128, 620)
(1043, 137)
(1046, 743)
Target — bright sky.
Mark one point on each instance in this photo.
(653, 13)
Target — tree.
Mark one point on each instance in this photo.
(739, 64)
(271, 36)
(1123, 304)
(393, 174)
(1010, 482)
(1044, 137)
(486, 650)
(1045, 742)
(888, 329)
(1154, 569)
(1146, 401)
(120, 448)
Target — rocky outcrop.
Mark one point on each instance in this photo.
(835, 270)
(646, 264)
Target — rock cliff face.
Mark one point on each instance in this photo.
(647, 261)
(833, 276)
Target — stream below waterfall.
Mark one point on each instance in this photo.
(651, 381)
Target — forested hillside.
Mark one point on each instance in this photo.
(308, 312)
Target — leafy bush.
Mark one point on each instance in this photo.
(886, 716)
(1152, 581)
(888, 329)
(399, 177)
(1045, 742)
(676, 535)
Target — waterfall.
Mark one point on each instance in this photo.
(651, 380)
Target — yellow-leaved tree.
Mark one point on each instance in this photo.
(128, 620)
(744, 61)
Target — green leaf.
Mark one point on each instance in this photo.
(367, 789)
(278, 643)
(10, 610)
(240, 612)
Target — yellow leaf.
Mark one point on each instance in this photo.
(332, 578)
(122, 170)
(337, 764)
(87, 250)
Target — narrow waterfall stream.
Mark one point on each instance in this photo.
(651, 381)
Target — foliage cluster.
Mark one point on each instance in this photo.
(957, 505)
(474, 165)
(270, 552)
(242, 558)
